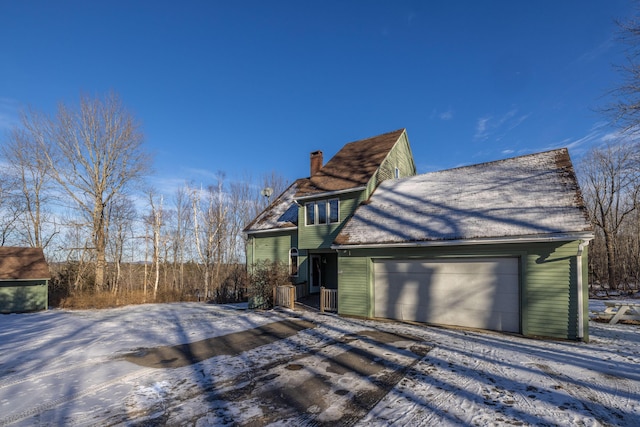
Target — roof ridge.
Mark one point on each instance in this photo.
(353, 165)
(500, 160)
(401, 130)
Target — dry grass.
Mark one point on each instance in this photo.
(87, 300)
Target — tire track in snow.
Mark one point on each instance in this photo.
(603, 407)
(486, 379)
(445, 381)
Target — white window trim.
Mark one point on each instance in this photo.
(311, 205)
(314, 204)
(297, 255)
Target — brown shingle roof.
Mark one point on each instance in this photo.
(23, 264)
(352, 166)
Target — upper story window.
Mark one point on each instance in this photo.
(311, 213)
(322, 212)
(321, 207)
(334, 212)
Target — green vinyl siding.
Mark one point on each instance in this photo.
(275, 246)
(550, 307)
(354, 287)
(321, 236)
(23, 296)
(548, 281)
(399, 157)
(270, 246)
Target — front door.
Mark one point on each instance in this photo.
(316, 273)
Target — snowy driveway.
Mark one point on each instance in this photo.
(63, 367)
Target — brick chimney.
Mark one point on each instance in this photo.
(316, 161)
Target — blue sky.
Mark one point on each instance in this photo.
(254, 86)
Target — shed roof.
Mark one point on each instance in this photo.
(531, 195)
(23, 264)
(352, 166)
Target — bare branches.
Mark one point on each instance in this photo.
(94, 153)
(625, 110)
(71, 181)
(611, 186)
(31, 180)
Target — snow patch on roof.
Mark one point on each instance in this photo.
(524, 196)
(282, 213)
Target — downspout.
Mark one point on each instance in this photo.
(581, 246)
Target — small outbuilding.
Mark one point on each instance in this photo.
(24, 280)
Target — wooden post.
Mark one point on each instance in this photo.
(292, 297)
(322, 299)
(275, 295)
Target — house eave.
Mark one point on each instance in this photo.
(560, 237)
(270, 230)
(330, 193)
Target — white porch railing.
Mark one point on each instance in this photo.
(328, 299)
(302, 290)
(284, 296)
(287, 295)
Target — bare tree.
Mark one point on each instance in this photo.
(611, 186)
(610, 174)
(219, 218)
(276, 182)
(9, 211)
(155, 220)
(240, 200)
(121, 214)
(625, 110)
(181, 221)
(32, 183)
(75, 243)
(94, 152)
(208, 222)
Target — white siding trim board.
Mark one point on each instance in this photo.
(564, 237)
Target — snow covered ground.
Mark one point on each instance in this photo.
(68, 368)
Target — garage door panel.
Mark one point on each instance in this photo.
(450, 266)
(482, 292)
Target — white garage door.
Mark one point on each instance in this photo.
(477, 292)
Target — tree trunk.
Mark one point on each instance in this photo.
(611, 260)
(99, 244)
